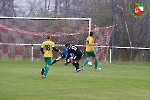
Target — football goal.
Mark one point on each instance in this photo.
(21, 37)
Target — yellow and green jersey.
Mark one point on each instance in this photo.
(47, 47)
(88, 41)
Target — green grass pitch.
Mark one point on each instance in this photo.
(21, 80)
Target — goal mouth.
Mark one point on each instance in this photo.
(28, 33)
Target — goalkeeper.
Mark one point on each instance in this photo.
(64, 54)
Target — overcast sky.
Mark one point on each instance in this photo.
(25, 7)
(21, 3)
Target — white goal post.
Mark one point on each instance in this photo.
(30, 31)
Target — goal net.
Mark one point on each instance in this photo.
(20, 38)
(102, 37)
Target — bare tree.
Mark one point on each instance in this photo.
(7, 8)
(129, 31)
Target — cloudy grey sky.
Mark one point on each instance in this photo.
(24, 5)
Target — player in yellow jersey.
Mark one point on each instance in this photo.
(90, 51)
(46, 48)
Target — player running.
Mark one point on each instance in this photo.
(90, 51)
(77, 55)
(46, 48)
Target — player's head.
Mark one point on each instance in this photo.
(67, 44)
(48, 37)
(91, 33)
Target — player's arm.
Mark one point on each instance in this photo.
(42, 50)
(90, 43)
(55, 49)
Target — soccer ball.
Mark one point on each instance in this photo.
(90, 63)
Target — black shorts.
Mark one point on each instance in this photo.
(77, 56)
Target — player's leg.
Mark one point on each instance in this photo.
(44, 67)
(48, 61)
(86, 60)
(42, 70)
(93, 54)
(90, 61)
(73, 61)
(96, 62)
(77, 66)
(57, 59)
(54, 61)
(67, 61)
(77, 59)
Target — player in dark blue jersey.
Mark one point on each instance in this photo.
(77, 55)
(64, 54)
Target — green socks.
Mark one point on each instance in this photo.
(85, 62)
(96, 63)
(46, 71)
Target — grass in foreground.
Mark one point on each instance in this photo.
(21, 80)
